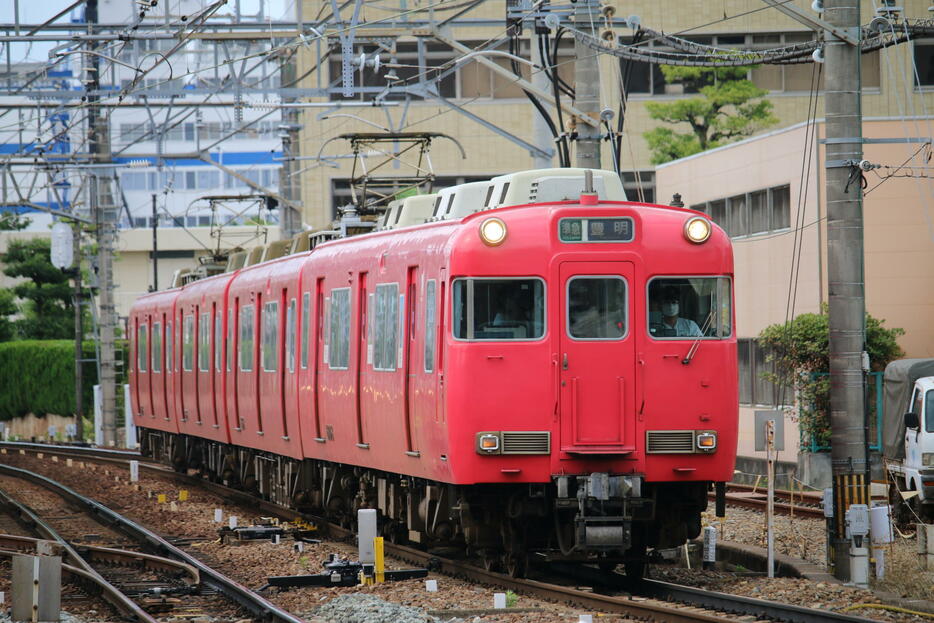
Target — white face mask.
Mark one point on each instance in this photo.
(669, 309)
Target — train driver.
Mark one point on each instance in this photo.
(670, 324)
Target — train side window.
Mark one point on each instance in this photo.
(188, 345)
(204, 342)
(230, 350)
(169, 347)
(430, 325)
(142, 351)
(290, 336)
(157, 347)
(218, 342)
(246, 338)
(386, 323)
(499, 309)
(339, 329)
(270, 342)
(597, 308)
(689, 307)
(306, 338)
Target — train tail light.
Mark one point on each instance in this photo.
(706, 442)
(487, 443)
(697, 229)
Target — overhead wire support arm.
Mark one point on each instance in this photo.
(814, 23)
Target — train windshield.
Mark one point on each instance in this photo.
(499, 309)
(689, 307)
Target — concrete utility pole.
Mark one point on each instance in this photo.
(587, 88)
(290, 218)
(79, 334)
(104, 214)
(842, 102)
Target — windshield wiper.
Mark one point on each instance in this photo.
(693, 349)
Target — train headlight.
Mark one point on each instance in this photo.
(487, 443)
(697, 229)
(706, 442)
(493, 231)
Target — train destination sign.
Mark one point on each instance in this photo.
(617, 229)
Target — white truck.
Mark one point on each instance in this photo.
(908, 435)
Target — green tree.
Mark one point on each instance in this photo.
(801, 353)
(45, 308)
(11, 221)
(729, 107)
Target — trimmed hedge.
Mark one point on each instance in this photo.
(38, 376)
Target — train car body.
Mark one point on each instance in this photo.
(556, 377)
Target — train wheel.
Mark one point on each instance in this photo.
(517, 565)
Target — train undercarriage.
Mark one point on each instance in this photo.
(594, 519)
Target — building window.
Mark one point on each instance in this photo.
(270, 342)
(755, 389)
(386, 326)
(204, 343)
(339, 330)
(430, 325)
(639, 185)
(924, 62)
(751, 214)
(246, 338)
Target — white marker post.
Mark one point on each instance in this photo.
(232, 522)
(499, 600)
(218, 515)
(134, 471)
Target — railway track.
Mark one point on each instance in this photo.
(648, 600)
(794, 503)
(168, 556)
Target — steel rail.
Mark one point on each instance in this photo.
(109, 592)
(257, 605)
(661, 590)
(25, 544)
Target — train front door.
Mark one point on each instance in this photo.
(597, 358)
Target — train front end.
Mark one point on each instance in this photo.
(596, 397)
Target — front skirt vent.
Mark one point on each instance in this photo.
(669, 441)
(526, 442)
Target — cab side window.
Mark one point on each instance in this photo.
(929, 411)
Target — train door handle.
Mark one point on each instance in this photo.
(564, 362)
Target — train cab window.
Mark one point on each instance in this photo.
(929, 411)
(142, 352)
(689, 307)
(169, 348)
(157, 347)
(290, 336)
(246, 338)
(270, 336)
(306, 337)
(430, 325)
(338, 356)
(385, 326)
(596, 308)
(499, 309)
(204, 343)
(188, 344)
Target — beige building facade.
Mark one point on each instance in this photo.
(888, 87)
(768, 193)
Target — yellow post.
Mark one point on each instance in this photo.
(183, 495)
(380, 562)
(160, 499)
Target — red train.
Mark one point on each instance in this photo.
(554, 373)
